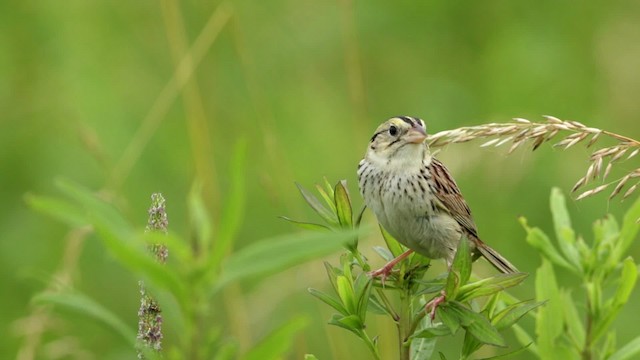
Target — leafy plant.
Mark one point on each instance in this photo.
(402, 296)
(606, 276)
(195, 274)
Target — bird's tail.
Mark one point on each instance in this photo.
(496, 259)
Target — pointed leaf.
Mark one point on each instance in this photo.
(268, 256)
(489, 285)
(564, 232)
(629, 231)
(478, 325)
(549, 324)
(511, 314)
(306, 225)
(525, 339)
(431, 332)
(575, 328)
(70, 214)
(393, 244)
(460, 269)
(449, 317)
(628, 352)
(329, 300)
(276, 344)
(343, 205)
(316, 205)
(328, 199)
(200, 220)
(351, 323)
(422, 348)
(540, 241)
(85, 305)
(345, 291)
(234, 205)
(363, 285)
(628, 279)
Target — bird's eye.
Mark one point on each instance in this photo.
(393, 131)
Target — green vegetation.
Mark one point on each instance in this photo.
(221, 106)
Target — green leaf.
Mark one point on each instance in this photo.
(512, 313)
(122, 242)
(276, 344)
(629, 231)
(362, 286)
(345, 291)
(128, 250)
(329, 188)
(449, 317)
(94, 206)
(199, 219)
(310, 357)
(269, 256)
(564, 232)
(575, 328)
(343, 205)
(83, 304)
(233, 205)
(306, 225)
(376, 307)
(489, 286)
(628, 279)
(329, 300)
(460, 269)
(332, 274)
(606, 234)
(384, 253)
(508, 355)
(540, 241)
(316, 205)
(422, 348)
(431, 332)
(328, 199)
(629, 351)
(549, 324)
(525, 339)
(477, 325)
(393, 244)
(351, 323)
(61, 210)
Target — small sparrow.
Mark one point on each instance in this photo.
(415, 198)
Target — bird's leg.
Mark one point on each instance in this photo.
(384, 271)
(433, 304)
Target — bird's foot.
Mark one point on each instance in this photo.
(384, 271)
(432, 305)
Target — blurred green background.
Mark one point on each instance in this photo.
(147, 96)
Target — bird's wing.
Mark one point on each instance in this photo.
(449, 197)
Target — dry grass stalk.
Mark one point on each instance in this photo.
(522, 131)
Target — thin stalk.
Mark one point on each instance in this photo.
(371, 345)
(587, 351)
(404, 324)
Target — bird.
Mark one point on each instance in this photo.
(415, 198)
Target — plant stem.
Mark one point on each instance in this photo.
(370, 344)
(586, 351)
(404, 323)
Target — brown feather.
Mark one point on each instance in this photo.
(450, 200)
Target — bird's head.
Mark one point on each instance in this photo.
(400, 138)
(398, 143)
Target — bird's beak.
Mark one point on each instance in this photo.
(416, 135)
